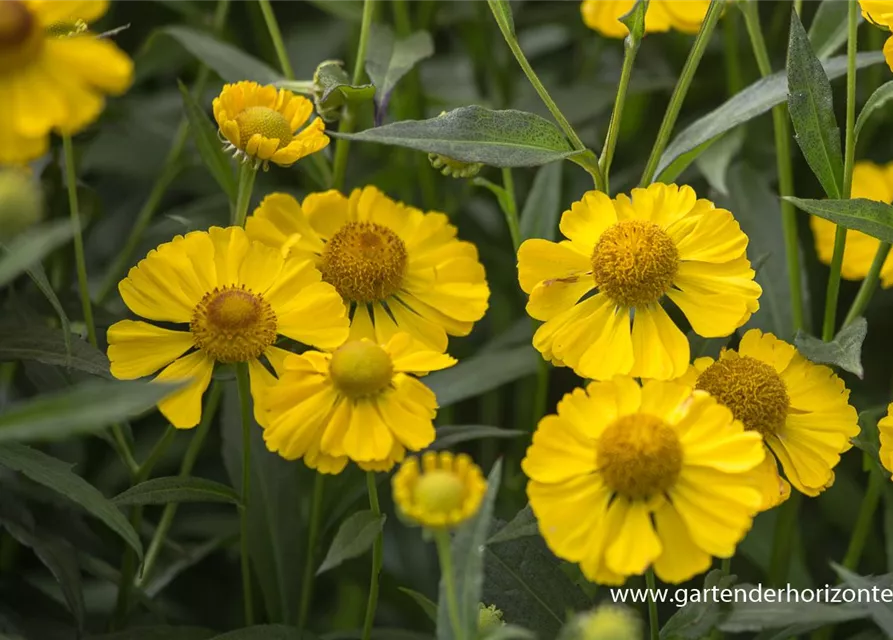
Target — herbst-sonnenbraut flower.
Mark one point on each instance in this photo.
(397, 268)
(236, 297)
(625, 478)
(880, 14)
(683, 15)
(601, 291)
(801, 409)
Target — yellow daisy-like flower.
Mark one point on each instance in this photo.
(683, 15)
(885, 432)
(52, 83)
(359, 402)
(441, 493)
(661, 243)
(398, 269)
(873, 182)
(236, 296)
(801, 409)
(263, 124)
(880, 13)
(626, 477)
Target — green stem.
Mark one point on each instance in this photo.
(833, 291)
(145, 469)
(866, 291)
(511, 208)
(245, 406)
(785, 526)
(734, 77)
(865, 518)
(243, 197)
(342, 145)
(798, 6)
(377, 553)
(128, 569)
(442, 540)
(276, 37)
(631, 48)
(312, 534)
(782, 135)
(653, 621)
(679, 93)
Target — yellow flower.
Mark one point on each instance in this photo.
(236, 296)
(801, 409)
(872, 182)
(52, 83)
(398, 269)
(683, 15)
(880, 13)
(885, 431)
(606, 622)
(625, 477)
(21, 202)
(442, 493)
(663, 242)
(263, 124)
(358, 402)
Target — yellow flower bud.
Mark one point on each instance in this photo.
(21, 203)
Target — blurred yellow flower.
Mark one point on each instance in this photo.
(60, 81)
(236, 296)
(398, 269)
(885, 431)
(442, 493)
(635, 252)
(359, 402)
(21, 202)
(801, 409)
(606, 622)
(627, 477)
(880, 13)
(683, 15)
(264, 124)
(873, 182)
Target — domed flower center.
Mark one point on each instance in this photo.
(752, 389)
(20, 35)
(267, 122)
(634, 263)
(439, 491)
(639, 456)
(361, 368)
(233, 324)
(364, 261)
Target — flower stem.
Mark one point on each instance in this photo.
(243, 197)
(631, 48)
(653, 621)
(863, 297)
(342, 145)
(511, 208)
(682, 85)
(864, 519)
(313, 532)
(732, 55)
(783, 160)
(276, 37)
(442, 540)
(785, 526)
(245, 405)
(145, 469)
(833, 290)
(377, 553)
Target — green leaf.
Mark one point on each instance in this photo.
(230, 63)
(39, 278)
(634, 20)
(450, 436)
(673, 170)
(882, 95)
(467, 552)
(58, 476)
(355, 535)
(333, 88)
(192, 556)
(522, 525)
(429, 607)
(502, 11)
(868, 216)
(880, 612)
(845, 351)
(868, 439)
(47, 345)
(542, 208)
(827, 33)
(84, 408)
(262, 632)
(481, 373)
(715, 160)
(30, 247)
(159, 633)
(758, 615)
(811, 105)
(694, 620)
(176, 489)
(388, 59)
(208, 144)
(351, 10)
(507, 138)
(747, 104)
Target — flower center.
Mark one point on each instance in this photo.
(20, 35)
(752, 389)
(639, 456)
(267, 122)
(361, 368)
(634, 263)
(439, 491)
(364, 261)
(233, 324)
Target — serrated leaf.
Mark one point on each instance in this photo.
(879, 98)
(176, 489)
(58, 476)
(429, 607)
(388, 59)
(208, 144)
(30, 247)
(542, 208)
(714, 162)
(880, 612)
(230, 63)
(811, 105)
(868, 216)
(482, 373)
(263, 632)
(845, 351)
(355, 536)
(47, 345)
(506, 138)
(828, 30)
(450, 436)
(522, 525)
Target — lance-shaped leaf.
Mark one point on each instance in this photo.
(845, 351)
(388, 59)
(828, 29)
(176, 489)
(868, 216)
(230, 63)
(539, 218)
(208, 144)
(29, 247)
(354, 537)
(45, 344)
(879, 98)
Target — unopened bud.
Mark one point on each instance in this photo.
(607, 622)
(489, 619)
(21, 203)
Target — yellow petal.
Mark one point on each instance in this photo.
(315, 316)
(541, 261)
(569, 513)
(368, 437)
(411, 425)
(138, 349)
(680, 558)
(559, 452)
(586, 220)
(716, 299)
(636, 545)
(411, 356)
(660, 349)
(327, 212)
(183, 408)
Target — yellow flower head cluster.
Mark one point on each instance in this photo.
(682, 15)
(52, 82)
(880, 14)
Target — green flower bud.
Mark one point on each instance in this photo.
(21, 203)
(607, 622)
(489, 619)
(454, 168)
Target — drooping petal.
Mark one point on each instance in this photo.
(183, 408)
(138, 349)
